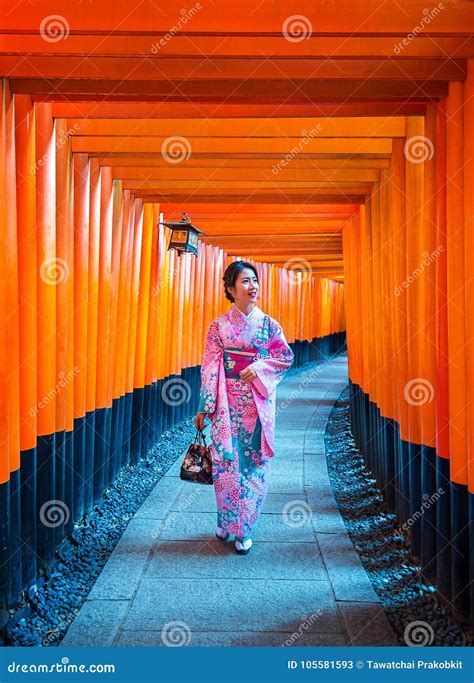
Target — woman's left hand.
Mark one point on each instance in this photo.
(248, 374)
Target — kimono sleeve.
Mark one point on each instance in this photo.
(210, 366)
(270, 370)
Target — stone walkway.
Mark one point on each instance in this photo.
(170, 582)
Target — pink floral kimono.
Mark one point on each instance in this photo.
(242, 413)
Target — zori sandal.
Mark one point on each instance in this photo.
(243, 547)
(222, 534)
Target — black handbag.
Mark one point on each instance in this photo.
(197, 463)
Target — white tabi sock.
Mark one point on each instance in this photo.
(245, 545)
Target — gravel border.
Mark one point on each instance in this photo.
(412, 606)
(55, 600)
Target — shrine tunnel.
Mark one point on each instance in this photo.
(341, 164)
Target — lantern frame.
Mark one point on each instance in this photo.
(184, 236)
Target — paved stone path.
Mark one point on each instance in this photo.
(170, 581)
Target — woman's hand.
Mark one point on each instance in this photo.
(248, 374)
(199, 421)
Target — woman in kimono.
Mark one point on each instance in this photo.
(245, 358)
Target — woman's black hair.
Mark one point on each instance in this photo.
(230, 275)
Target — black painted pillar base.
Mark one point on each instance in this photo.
(435, 512)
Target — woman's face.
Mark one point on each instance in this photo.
(245, 289)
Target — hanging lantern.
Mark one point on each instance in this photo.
(184, 236)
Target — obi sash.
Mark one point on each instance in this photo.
(237, 359)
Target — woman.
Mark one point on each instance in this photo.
(245, 358)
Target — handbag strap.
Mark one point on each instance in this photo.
(198, 436)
